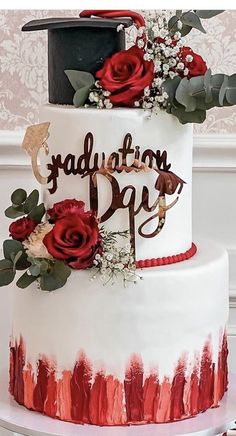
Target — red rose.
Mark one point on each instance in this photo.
(22, 228)
(197, 67)
(125, 75)
(75, 239)
(65, 207)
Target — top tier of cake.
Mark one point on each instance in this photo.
(135, 170)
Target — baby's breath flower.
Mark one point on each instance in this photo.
(146, 57)
(147, 91)
(120, 27)
(177, 35)
(166, 67)
(172, 74)
(189, 58)
(147, 105)
(100, 104)
(179, 24)
(140, 43)
(106, 93)
(115, 261)
(172, 62)
(180, 66)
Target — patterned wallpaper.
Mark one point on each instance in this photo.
(23, 66)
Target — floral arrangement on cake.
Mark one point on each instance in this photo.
(158, 72)
(67, 238)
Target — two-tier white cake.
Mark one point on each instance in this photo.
(108, 355)
(92, 350)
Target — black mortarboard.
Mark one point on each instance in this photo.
(77, 44)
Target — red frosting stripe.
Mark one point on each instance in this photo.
(159, 261)
(105, 13)
(83, 395)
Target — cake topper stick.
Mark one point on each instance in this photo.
(34, 139)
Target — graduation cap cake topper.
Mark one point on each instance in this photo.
(81, 43)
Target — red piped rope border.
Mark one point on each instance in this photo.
(146, 263)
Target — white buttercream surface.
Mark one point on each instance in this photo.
(171, 311)
(68, 129)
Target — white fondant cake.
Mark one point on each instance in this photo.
(109, 128)
(170, 325)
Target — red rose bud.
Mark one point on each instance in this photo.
(22, 228)
(65, 207)
(75, 239)
(197, 66)
(125, 75)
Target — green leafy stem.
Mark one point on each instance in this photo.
(190, 20)
(189, 99)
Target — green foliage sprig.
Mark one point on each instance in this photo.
(184, 22)
(23, 205)
(82, 83)
(189, 99)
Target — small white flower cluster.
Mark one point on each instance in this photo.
(154, 98)
(99, 97)
(163, 50)
(116, 262)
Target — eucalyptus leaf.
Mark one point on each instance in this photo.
(6, 264)
(56, 277)
(34, 270)
(6, 276)
(37, 213)
(207, 85)
(208, 14)
(7, 272)
(31, 201)
(22, 263)
(81, 96)
(184, 97)
(231, 90)
(82, 82)
(223, 90)
(44, 266)
(198, 116)
(14, 212)
(170, 86)
(79, 79)
(11, 248)
(18, 197)
(173, 24)
(185, 29)
(16, 258)
(197, 95)
(25, 280)
(191, 19)
(178, 13)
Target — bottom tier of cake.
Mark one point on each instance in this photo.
(108, 355)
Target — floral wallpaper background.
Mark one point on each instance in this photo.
(23, 66)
